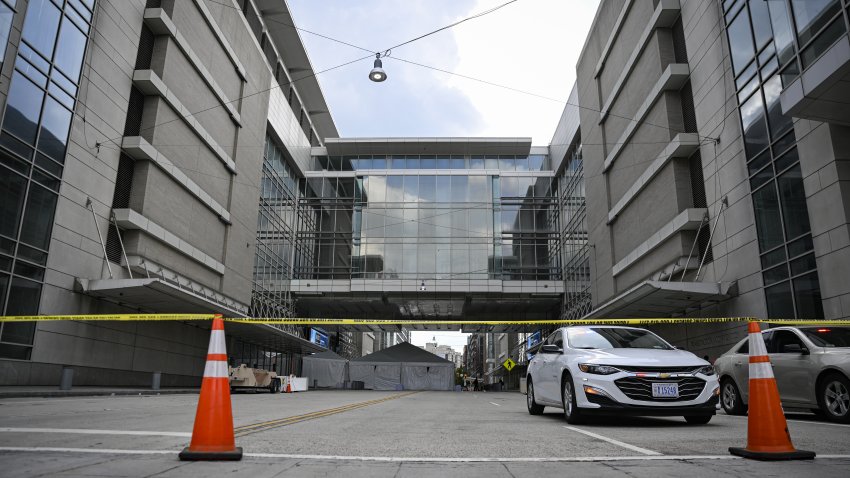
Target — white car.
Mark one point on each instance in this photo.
(617, 371)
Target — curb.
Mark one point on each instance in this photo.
(92, 393)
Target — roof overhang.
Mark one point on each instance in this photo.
(291, 47)
(354, 146)
(661, 299)
(158, 296)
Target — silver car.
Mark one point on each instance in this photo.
(811, 365)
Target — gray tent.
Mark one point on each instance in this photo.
(325, 369)
(403, 366)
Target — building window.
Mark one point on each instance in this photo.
(789, 271)
(7, 14)
(33, 141)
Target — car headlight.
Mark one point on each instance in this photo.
(707, 370)
(597, 369)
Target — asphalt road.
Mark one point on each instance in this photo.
(364, 433)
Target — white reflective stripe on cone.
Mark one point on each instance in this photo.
(761, 370)
(217, 343)
(215, 369)
(757, 345)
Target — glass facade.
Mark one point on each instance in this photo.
(534, 162)
(800, 30)
(782, 220)
(33, 140)
(573, 238)
(429, 225)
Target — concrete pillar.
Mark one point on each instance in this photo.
(67, 378)
(156, 380)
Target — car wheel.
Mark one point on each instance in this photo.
(533, 407)
(834, 397)
(730, 398)
(697, 419)
(568, 399)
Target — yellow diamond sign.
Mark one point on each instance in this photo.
(509, 364)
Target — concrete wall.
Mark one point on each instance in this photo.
(126, 353)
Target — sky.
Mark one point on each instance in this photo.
(530, 45)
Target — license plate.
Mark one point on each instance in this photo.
(665, 390)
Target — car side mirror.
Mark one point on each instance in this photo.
(551, 349)
(795, 349)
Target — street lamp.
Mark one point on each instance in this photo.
(378, 74)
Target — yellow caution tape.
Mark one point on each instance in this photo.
(106, 317)
(412, 322)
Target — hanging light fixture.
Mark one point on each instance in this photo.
(378, 74)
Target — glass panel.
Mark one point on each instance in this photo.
(779, 303)
(752, 120)
(376, 188)
(428, 188)
(19, 352)
(398, 162)
(411, 188)
(395, 188)
(783, 35)
(491, 162)
(506, 163)
(476, 162)
(443, 188)
(478, 190)
(427, 162)
(772, 258)
(794, 210)
(803, 264)
(741, 41)
(768, 220)
(55, 125)
(761, 22)
(41, 25)
(459, 188)
(38, 218)
(23, 300)
(70, 49)
(811, 15)
(458, 162)
(12, 187)
(807, 296)
(444, 162)
(776, 274)
(536, 162)
(822, 42)
(800, 246)
(379, 163)
(6, 15)
(779, 123)
(23, 108)
(412, 162)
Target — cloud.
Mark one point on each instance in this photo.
(530, 45)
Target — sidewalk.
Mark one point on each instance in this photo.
(53, 391)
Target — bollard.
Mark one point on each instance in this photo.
(157, 379)
(67, 378)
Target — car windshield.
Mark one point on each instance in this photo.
(828, 336)
(617, 338)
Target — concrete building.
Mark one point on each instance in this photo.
(445, 352)
(141, 141)
(711, 142)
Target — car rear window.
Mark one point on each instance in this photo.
(828, 336)
(616, 338)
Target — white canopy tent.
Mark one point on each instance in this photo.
(325, 369)
(403, 367)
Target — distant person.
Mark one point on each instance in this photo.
(501, 385)
(475, 384)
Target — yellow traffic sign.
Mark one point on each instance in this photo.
(509, 364)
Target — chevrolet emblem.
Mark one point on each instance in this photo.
(663, 375)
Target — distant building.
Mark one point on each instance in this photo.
(446, 352)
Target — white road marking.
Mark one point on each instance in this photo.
(615, 442)
(491, 403)
(402, 459)
(85, 431)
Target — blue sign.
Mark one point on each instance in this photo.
(319, 337)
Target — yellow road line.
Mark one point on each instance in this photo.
(281, 422)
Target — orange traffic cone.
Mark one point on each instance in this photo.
(767, 431)
(212, 437)
(289, 384)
